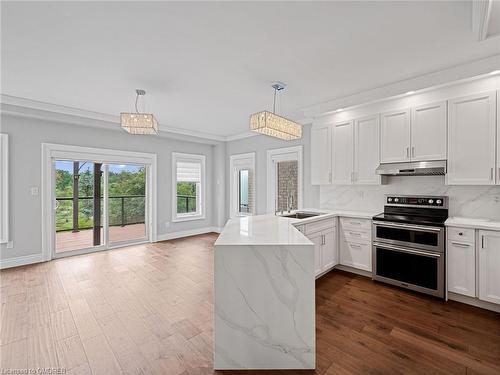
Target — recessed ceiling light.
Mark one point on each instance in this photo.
(339, 110)
(410, 92)
(494, 72)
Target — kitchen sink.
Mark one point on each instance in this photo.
(302, 215)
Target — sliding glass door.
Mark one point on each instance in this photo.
(98, 205)
(127, 203)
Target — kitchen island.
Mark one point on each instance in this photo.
(264, 295)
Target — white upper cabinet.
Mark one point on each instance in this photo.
(342, 153)
(428, 132)
(366, 150)
(321, 157)
(471, 140)
(489, 264)
(395, 136)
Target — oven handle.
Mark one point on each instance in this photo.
(405, 250)
(406, 226)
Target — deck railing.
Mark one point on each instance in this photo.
(186, 204)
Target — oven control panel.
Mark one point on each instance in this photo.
(416, 201)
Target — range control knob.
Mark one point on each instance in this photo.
(439, 201)
(389, 199)
(431, 201)
(396, 200)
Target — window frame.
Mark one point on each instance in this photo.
(238, 162)
(200, 191)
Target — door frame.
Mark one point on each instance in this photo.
(283, 154)
(246, 160)
(51, 151)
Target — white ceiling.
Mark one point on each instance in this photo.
(208, 66)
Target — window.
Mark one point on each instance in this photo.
(242, 184)
(188, 186)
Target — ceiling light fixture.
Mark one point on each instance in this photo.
(410, 92)
(339, 110)
(139, 123)
(273, 125)
(494, 72)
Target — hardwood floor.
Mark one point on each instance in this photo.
(148, 310)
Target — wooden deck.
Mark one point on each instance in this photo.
(148, 309)
(69, 241)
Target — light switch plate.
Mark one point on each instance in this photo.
(34, 190)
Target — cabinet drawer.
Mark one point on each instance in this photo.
(356, 224)
(356, 254)
(356, 235)
(461, 234)
(320, 225)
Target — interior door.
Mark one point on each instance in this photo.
(395, 136)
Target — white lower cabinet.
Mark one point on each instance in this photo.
(489, 265)
(355, 249)
(356, 255)
(473, 263)
(462, 268)
(322, 234)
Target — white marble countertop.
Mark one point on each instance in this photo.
(276, 230)
(465, 222)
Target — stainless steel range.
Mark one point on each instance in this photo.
(409, 243)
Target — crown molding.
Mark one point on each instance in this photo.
(23, 107)
(434, 79)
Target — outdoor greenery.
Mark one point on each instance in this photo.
(122, 183)
(186, 197)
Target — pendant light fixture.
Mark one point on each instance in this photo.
(273, 125)
(139, 123)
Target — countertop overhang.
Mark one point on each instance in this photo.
(276, 229)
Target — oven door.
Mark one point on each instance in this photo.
(419, 270)
(418, 236)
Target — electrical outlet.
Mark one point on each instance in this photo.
(34, 190)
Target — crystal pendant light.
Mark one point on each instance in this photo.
(139, 123)
(273, 125)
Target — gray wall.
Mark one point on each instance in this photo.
(260, 144)
(25, 138)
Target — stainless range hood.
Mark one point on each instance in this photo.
(416, 168)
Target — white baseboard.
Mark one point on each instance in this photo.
(186, 233)
(20, 261)
(474, 302)
(353, 270)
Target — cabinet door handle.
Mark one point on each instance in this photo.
(355, 234)
(491, 174)
(460, 244)
(330, 177)
(482, 242)
(413, 151)
(407, 152)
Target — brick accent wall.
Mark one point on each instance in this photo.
(287, 183)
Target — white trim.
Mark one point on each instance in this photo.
(51, 151)
(284, 152)
(233, 180)
(33, 108)
(202, 199)
(4, 170)
(474, 302)
(187, 233)
(20, 261)
(481, 12)
(451, 76)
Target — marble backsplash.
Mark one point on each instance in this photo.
(466, 201)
